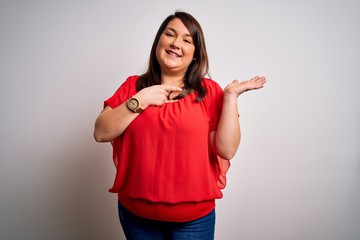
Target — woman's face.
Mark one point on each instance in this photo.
(175, 49)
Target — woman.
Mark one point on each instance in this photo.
(173, 132)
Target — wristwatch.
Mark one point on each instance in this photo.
(133, 104)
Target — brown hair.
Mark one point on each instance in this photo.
(196, 71)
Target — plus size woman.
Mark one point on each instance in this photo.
(173, 131)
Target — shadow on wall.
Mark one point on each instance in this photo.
(61, 193)
(84, 209)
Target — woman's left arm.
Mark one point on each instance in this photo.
(226, 139)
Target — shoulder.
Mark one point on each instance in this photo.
(128, 86)
(211, 85)
(131, 80)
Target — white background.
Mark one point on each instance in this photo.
(296, 175)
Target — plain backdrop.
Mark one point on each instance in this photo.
(296, 175)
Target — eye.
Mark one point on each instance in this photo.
(187, 40)
(169, 34)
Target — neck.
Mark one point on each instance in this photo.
(177, 81)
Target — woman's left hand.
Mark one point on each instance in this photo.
(235, 88)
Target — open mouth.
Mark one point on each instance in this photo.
(171, 53)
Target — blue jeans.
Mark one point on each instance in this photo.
(138, 228)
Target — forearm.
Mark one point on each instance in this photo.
(227, 138)
(111, 123)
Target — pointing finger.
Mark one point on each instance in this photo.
(172, 88)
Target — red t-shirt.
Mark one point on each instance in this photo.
(165, 167)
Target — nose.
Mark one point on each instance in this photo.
(175, 43)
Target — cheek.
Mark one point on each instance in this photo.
(158, 50)
(162, 42)
(160, 46)
(190, 51)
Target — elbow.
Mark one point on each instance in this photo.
(102, 137)
(99, 134)
(226, 148)
(227, 155)
(99, 137)
(227, 152)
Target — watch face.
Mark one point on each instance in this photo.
(133, 103)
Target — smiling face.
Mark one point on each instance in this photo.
(175, 49)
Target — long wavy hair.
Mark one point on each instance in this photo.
(196, 71)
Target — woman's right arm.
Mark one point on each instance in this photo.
(112, 122)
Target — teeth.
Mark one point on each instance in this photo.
(172, 54)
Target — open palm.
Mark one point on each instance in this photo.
(236, 88)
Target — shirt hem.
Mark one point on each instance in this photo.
(171, 212)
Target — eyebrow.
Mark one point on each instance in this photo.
(172, 29)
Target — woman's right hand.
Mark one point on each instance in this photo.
(155, 95)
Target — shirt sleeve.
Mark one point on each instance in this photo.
(124, 92)
(216, 94)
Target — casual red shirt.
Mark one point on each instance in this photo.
(165, 167)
